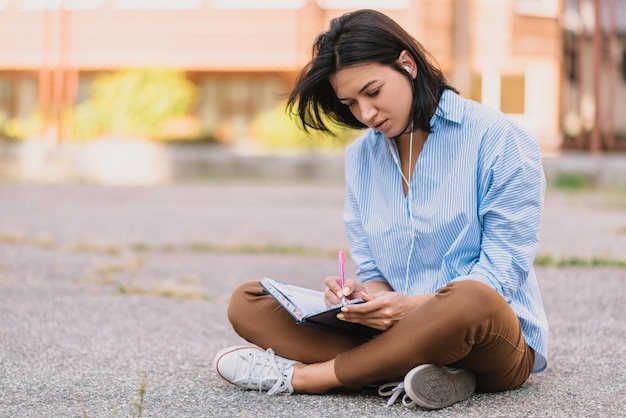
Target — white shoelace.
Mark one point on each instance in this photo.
(264, 369)
(394, 390)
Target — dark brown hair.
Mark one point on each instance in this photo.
(359, 38)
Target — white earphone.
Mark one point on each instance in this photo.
(407, 69)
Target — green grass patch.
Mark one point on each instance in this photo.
(262, 249)
(138, 401)
(145, 248)
(87, 247)
(170, 290)
(137, 251)
(36, 241)
(137, 405)
(548, 261)
(568, 180)
(128, 266)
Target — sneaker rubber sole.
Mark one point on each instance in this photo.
(435, 387)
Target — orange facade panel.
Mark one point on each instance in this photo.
(202, 39)
(536, 36)
(22, 38)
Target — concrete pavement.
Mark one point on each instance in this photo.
(103, 288)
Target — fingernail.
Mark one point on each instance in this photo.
(346, 291)
(341, 317)
(339, 294)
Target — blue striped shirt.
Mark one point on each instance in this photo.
(475, 203)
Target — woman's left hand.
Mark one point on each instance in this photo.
(382, 310)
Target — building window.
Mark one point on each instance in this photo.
(476, 88)
(540, 8)
(229, 103)
(570, 56)
(512, 94)
(365, 4)
(258, 4)
(158, 4)
(6, 97)
(18, 95)
(506, 92)
(571, 64)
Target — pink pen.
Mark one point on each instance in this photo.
(342, 262)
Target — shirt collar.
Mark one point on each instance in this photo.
(450, 108)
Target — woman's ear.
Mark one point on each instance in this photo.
(407, 62)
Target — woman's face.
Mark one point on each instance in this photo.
(377, 95)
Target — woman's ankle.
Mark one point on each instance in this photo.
(314, 379)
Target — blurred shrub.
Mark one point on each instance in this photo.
(16, 128)
(275, 130)
(3, 125)
(573, 181)
(137, 102)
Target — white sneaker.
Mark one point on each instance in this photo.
(434, 387)
(254, 368)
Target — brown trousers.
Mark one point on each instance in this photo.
(467, 324)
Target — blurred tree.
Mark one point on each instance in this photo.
(275, 130)
(134, 102)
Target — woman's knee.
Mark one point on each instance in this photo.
(475, 298)
(240, 306)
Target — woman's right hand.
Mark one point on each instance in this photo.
(352, 289)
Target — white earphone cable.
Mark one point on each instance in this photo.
(410, 207)
(409, 200)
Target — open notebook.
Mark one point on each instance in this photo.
(307, 306)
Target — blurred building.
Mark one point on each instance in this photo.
(514, 55)
(594, 77)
